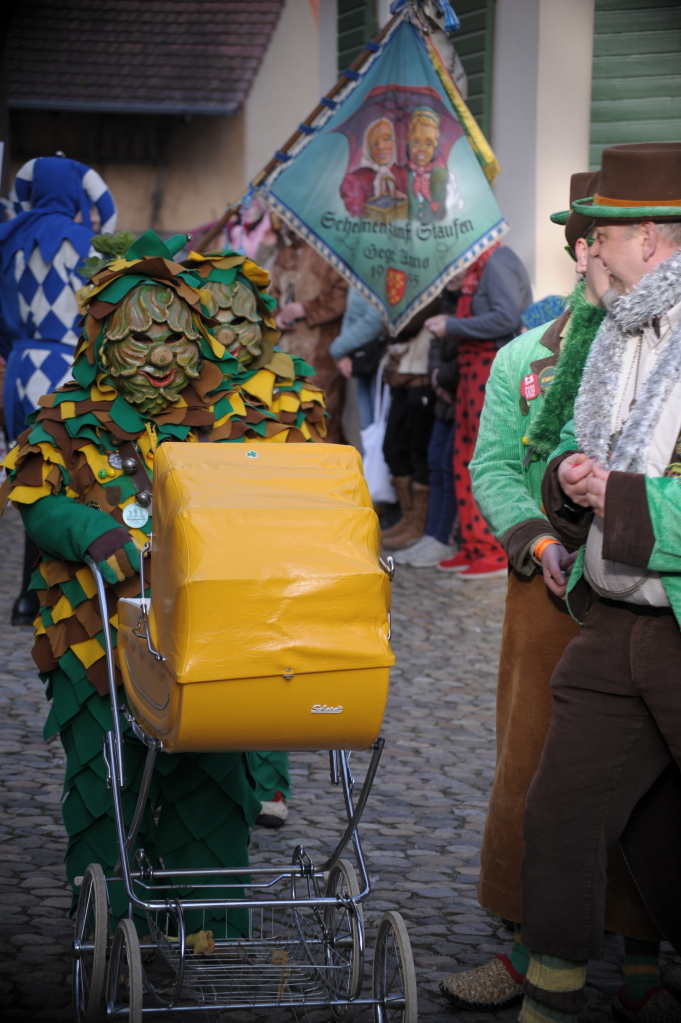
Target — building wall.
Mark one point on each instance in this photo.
(204, 174)
(541, 96)
(514, 120)
(287, 87)
(205, 163)
(563, 122)
(199, 169)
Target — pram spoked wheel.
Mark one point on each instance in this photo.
(394, 979)
(345, 929)
(90, 945)
(124, 985)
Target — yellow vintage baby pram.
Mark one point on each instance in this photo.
(268, 628)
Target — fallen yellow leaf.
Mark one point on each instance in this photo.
(201, 941)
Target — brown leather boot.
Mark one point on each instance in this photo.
(402, 485)
(416, 526)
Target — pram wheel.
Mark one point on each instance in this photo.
(89, 945)
(124, 986)
(394, 979)
(345, 949)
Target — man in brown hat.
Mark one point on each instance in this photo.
(516, 437)
(613, 486)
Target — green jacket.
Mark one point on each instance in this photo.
(507, 477)
(644, 514)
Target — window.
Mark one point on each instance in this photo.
(92, 138)
(636, 82)
(356, 24)
(473, 43)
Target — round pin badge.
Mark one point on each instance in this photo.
(115, 460)
(546, 377)
(135, 516)
(529, 387)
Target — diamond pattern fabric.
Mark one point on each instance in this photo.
(47, 294)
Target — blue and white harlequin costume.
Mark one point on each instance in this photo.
(40, 249)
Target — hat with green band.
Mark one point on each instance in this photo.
(636, 182)
(582, 184)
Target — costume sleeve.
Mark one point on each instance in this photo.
(628, 535)
(571, 522)
(654, 515)
(448, 376)
(499, 487)
(502, 285)
(64, 528)
(366, 326)
(447, 364)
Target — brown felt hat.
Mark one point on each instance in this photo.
(636, 182)
(582, 186)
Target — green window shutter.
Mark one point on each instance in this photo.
(636, 82)
(473, 43)
(356, 25)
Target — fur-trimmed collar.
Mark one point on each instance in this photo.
(654, 295)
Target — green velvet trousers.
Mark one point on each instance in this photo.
(199, 813)
(271, 774)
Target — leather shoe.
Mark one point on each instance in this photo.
(25, 609)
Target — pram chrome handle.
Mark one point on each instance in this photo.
(119, 776)
(143, 608)
(388, 566)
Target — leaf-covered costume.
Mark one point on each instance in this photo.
(65, 476)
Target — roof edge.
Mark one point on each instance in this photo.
(123, 108)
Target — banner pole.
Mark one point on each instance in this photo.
(267, 170)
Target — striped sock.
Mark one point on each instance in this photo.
(553, 990)
(641, 967)
(519, 955)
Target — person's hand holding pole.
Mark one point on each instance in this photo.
(288, 314)
(345, 366)
(437, 325)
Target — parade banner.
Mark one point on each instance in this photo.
(390, 183)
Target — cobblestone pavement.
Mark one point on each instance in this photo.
(422, 829)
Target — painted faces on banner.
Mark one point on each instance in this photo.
(376, 189)
(432, 188)
(389, 188)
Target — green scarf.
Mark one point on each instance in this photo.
(557, 407)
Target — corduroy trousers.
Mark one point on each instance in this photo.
(537, 629)
(616, 727)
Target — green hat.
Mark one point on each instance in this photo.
(636, 182)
